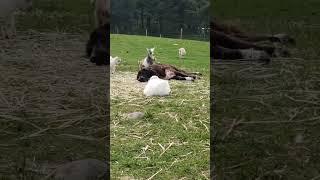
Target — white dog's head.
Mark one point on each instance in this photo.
(115, 60)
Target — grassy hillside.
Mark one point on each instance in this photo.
(172, 140)
(133, 48)
(266, 117)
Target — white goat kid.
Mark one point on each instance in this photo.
(114, 61)
(157, 87)
(7, 10)
(182, 53)
(149, 60)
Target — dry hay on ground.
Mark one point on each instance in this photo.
(124, 86)
(274, 108)
(126, 91)
(53, 102)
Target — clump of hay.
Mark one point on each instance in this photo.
(124, 85)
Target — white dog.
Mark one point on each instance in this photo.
(114, 61)
(182, 53)
(157, 87)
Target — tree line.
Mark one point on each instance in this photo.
(163, 18)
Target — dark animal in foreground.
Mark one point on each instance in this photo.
(98, 46)
(165, 71)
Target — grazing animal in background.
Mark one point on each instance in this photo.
(149, 60)
(101, 12)
(98, 46)
(7, 10)
(114, 61)
(157, 87)
(182, 53)
(165, 71)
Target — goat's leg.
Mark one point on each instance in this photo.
(89, 49)
(187, 78)
(112, 69)
(185, 74)
(182, 72)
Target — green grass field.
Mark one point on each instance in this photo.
(266, 117)
(172, 140)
